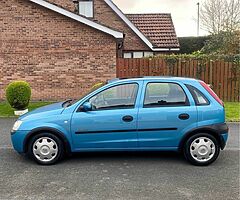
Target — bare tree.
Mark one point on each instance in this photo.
(220, 15)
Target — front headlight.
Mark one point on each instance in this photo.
(17, 125)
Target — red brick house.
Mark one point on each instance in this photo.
(62, 48)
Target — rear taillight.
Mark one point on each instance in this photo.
(212, 93)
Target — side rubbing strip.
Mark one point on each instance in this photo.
(124, 131)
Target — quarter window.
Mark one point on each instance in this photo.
(198, 96)
(118, 97)
(164, 94)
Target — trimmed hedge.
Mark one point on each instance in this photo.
(18, 94)
(189, 45)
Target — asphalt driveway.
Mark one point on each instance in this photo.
(118, 175)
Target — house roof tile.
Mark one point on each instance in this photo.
(158, 28)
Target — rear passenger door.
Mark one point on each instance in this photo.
(167, 111)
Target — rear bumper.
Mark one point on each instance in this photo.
(222, 130)
(224, 138)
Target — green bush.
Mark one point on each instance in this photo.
(190, 44)
(18, 94)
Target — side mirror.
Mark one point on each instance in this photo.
(86, 107)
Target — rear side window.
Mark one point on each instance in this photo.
(199, 98)
(164, 94)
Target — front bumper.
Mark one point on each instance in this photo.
(17, 138)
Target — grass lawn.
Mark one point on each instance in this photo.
(7, 111)
(232, 109)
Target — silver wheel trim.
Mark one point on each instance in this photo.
(202, 149)
(45, 149)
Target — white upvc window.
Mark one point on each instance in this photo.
(148, 54)
(137, 54)
(127, 55)
(86, 8)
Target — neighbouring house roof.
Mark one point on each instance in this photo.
(114, 33)
(158, 28)
(144, 35)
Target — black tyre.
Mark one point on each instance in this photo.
(201, 149)
(45, 148)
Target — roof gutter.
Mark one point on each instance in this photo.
(166, 49)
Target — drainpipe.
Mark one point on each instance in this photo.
(120, 44)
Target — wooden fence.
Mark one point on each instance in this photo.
(223, 76)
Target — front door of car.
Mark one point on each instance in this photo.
(112, 121)
(166, 113)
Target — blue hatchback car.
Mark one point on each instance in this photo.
(139, 114)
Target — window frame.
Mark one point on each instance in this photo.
(187, 102)
(191, 88)
(138, 52)
(92, 8)
(148, 52)
(127, 53)
(133, 107)
(132, 54)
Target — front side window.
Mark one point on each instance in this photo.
(117, 97)
(86, 8)
(164, 94)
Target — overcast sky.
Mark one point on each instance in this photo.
(184, 12)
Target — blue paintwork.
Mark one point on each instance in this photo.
(120, 135)
(225, 137)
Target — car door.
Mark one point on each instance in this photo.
(166, 113)
(112, 122)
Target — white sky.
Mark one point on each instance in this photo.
(184, 12)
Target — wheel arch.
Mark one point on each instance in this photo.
(208, 130)
(53, 131)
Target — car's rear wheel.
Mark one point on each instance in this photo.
(201, 149)
(45, 148)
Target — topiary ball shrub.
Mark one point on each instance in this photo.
(18, 94)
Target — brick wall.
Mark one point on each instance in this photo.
(67, 4)
(59, 57)
(105, 15)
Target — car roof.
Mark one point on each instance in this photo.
(152, 78)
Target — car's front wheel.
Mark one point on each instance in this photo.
(201, 149)
(45, 148)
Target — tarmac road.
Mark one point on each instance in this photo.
(149, 175)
